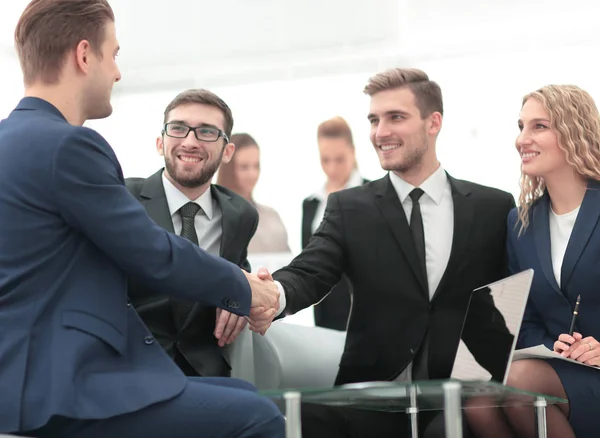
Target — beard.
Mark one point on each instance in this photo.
(194, 179)
(411, 160)
(412, 157)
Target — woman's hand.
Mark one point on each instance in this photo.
(585, 350)
(564, 343)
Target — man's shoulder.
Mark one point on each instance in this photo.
(135, 184)
(245, 207)
(362, 192)
(482, 191)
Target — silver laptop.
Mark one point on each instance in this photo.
(510, 298)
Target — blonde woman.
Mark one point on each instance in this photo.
(556, 231)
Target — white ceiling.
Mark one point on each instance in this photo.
(182, 43)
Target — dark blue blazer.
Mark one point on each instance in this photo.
(70, 234)
(550, 307)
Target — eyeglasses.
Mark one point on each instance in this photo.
(202, 133)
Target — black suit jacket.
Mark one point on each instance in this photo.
(366, 236)
(333, 311)
(195, 340)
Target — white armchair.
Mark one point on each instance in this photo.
(288, 356)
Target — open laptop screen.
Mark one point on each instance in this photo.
(510, 298)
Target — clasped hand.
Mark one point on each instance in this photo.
(585, 350)
(265, 300)
(265, 303)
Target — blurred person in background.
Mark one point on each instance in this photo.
(240, 175)
(338, 161)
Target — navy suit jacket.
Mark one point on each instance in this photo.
(70, 234)
(550, 306)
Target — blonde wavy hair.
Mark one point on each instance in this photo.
(575, 120)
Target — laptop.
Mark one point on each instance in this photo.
(510, 298)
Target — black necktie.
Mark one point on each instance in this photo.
(416, 227)
(188, 230)
(420, 369)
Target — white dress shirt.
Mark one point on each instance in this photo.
(437, 210)
(207, 222)
(561, 227)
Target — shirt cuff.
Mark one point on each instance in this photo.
(282, 301)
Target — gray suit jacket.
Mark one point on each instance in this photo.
(195, 340)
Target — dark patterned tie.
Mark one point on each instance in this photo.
(188, 230)
(420, 362)
(188, 215)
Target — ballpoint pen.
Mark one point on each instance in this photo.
(575, 313)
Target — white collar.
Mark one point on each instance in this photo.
(176, 199)
(434, 186)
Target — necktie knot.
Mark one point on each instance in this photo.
(416, 194)
(189, 210)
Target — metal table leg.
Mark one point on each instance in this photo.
(293, 426)
(540, 417)
(452, 409)
(413, 411)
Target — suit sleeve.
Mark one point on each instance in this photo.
(319, 267)
(533, 331)
(92, 198)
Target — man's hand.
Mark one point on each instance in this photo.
(264, 274)
(265, 300)
(228, 326)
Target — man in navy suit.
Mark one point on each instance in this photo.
(75, 358)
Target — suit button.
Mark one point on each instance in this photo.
(128, 302)
(148, 340)
(412, 351)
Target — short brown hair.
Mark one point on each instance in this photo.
(336, 127)
(227, 176)
(428, 95)
(49, 29)
(203, 97)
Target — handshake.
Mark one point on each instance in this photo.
(264, 307)
(265, 300)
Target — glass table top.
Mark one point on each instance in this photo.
(429, 395)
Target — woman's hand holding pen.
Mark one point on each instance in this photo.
(576, 347)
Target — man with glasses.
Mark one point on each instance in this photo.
(180, 198)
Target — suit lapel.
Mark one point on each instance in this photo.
(464, 214)
(391, 209)
(228, 249)
(587, 218)
(540, 222)
(153, 198)
(229, 224)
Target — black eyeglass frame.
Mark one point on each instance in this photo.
(189, 128)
